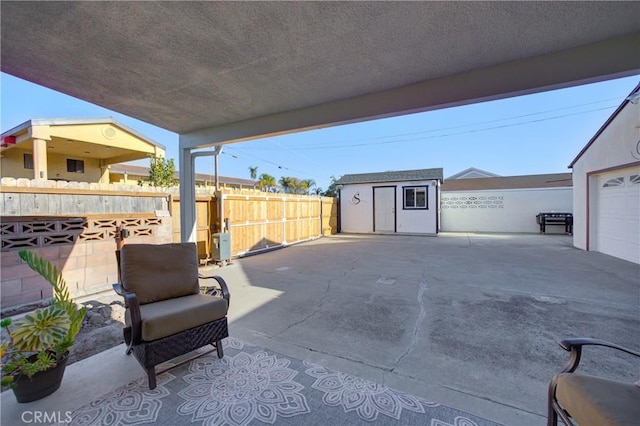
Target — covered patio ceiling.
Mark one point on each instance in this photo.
(220, 72)
(223, 71)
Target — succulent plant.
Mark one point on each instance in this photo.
(40, 330)
(39, 340)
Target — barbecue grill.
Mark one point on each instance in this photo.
(553, 218)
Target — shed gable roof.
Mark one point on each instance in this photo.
(472, 172)
(392, 176)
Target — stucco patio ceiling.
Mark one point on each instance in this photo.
(225, 71)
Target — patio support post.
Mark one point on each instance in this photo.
(187, 196)
(40, 159)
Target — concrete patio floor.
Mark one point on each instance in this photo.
(471, 321)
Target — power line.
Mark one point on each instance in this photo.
(263, 160)
(368, 141)
(319, 146)
(466, 125)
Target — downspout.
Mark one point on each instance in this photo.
(187, 193)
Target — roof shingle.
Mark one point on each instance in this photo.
(392, 176)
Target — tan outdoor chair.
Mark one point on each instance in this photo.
(588, 400)
(166, 315)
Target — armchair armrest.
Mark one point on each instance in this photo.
(574, 346)
(131, 302)
(223, 291)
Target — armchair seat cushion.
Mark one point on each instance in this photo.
(172, 316)
(596, 401)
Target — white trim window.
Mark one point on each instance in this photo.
(415, 197)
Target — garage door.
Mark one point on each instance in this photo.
(618, 214)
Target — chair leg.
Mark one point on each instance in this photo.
(552, 419)
(151, 373)
(552, 416)
(218, 345)
(127, 339)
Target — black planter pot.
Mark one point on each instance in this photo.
(42, 383)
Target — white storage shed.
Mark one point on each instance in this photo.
(403, 202)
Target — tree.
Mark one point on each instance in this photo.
(307, 184)
(266, 182)
(286, 183)
(253, 171)
(162, 172)
(317, 191)
(332, 191)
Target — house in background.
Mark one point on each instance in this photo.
(71, 149)
(472, 173)
(403, 202)
(126, 174)
(504, 204)
(606, 185)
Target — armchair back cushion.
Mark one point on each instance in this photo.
(156, 272)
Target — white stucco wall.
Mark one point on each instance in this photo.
(357, 216)
(617, 146)
(505, 210)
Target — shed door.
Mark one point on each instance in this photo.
(384, 209)
(618, 214)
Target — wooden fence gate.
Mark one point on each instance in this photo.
(259, 220)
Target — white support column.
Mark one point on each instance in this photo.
(187, 196)
(40, 159)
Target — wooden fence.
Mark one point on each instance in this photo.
(259, 220)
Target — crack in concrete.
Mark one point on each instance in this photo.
(322, 300)
(492, 400)
(346, 358)
(418, 323)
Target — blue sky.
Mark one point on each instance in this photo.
(531, 134)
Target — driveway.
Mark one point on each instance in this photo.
(468, 320)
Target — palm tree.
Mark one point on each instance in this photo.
(307, 184)
(286, 183)
(253, 171)
(317, 191)
(266, 182)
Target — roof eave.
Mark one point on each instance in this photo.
(82, 120)
(604, 126)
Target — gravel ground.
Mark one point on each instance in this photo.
(101, 330)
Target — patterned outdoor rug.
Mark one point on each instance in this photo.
(252, 386)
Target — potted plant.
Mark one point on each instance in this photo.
(36, 353)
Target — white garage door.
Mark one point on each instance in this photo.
(618, 214)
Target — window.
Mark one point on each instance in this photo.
(75, 166)
(614, 182)
(28, 161)
(415, 197)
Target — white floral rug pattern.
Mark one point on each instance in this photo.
(254, 386)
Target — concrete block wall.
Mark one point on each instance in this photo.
(72, 224)
(88, 267)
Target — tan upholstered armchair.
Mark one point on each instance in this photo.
(166, 315)
(587, 400)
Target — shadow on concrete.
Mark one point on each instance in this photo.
(470, 314)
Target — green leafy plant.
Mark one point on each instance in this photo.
(162, 172)
(40, 339)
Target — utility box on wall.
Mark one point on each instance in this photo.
(221, 247)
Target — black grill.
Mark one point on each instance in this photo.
(565, 219)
